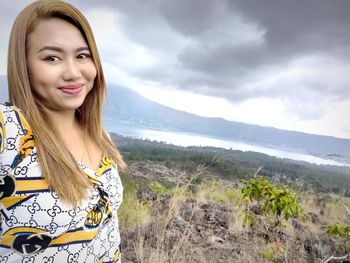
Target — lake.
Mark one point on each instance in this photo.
(190, 139)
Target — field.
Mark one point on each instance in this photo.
(191, 205)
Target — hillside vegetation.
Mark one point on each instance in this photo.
(212, 205)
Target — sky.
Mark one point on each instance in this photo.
(276, 63)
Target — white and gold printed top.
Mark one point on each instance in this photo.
(35, 225)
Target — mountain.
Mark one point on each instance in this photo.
(126, 107)
(135, 110)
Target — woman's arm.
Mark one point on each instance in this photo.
(2, 147)
(2, 133)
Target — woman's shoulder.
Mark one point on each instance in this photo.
(2, 129)
(11, 115)
(12, 123)
(7, 106)
(8, 109)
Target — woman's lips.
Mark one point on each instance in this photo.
(72, 89)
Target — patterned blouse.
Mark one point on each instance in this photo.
(35, 225)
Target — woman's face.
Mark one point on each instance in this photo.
(60, 67)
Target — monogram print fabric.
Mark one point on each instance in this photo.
(35, 225)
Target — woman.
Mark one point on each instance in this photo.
(59, 184)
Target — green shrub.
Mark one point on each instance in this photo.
(337, 230)
(277, 200)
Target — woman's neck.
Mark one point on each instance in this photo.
(64, 121)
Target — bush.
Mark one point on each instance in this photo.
(277, 200)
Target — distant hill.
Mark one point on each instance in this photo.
(127, 107)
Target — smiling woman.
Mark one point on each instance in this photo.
(59, 183)
(57, 47)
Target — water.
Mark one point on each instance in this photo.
(190, 139)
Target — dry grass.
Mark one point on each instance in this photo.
(156, 232)
(329, 209)
(134, 214)
(218, 192)
(150, 223)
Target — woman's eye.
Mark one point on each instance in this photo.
(83, 56)
(51, 58)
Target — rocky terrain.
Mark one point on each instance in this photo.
(197, 223)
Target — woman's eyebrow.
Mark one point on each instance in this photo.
(83, 49)
(58, 49)
(53, 48)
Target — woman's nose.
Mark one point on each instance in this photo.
(71, 70)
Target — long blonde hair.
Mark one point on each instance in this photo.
(57, 163)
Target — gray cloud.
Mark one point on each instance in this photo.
(232, 43)
(237, 49)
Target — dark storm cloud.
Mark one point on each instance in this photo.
(243, 49)
(300, 25)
